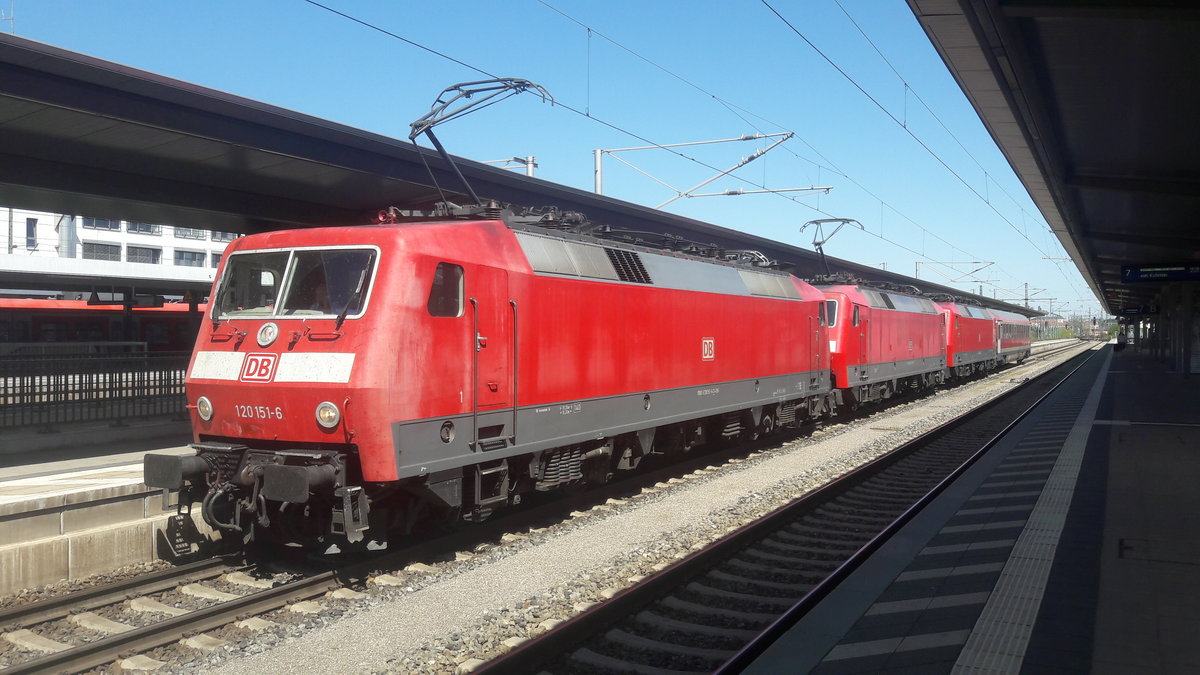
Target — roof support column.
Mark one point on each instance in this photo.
(1189, 328)
(1171, 310)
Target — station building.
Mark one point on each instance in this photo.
(94, 248)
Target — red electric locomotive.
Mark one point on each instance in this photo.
(376, 376)
(883, 342)
(970, 338)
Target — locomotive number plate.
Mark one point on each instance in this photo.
(258, 412)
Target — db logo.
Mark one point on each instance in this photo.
(708, 349)
(259, 368)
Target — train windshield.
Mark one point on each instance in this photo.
(301, 283)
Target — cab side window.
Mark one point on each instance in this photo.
(446, 294)
(854, 320)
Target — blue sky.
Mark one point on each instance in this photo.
(663, 71)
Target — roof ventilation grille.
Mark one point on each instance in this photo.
(628, 265)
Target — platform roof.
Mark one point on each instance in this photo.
(86, 136)
(1094, 104)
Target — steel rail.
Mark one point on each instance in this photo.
(543, 649)
(62, 606)
(105, 651)
(755, 647)
(110, 649)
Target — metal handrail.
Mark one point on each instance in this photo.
(44, 391)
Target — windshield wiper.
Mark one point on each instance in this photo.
(214, 310)
(362, 277)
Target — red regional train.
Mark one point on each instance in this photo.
(365, 379)
(26, 323)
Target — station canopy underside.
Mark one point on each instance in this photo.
(79, 135)
(1094, 104)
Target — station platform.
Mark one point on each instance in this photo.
(30, 453)
(1073, 548)
(72, 504)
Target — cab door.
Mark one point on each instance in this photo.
(863, 322)
(492, 312)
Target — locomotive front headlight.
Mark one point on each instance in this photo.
(328, 415)
(204, 407)
(267, 334)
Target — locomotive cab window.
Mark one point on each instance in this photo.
(300, 283)
(831, 307)
(251, 284)
(446, 294)
(854, 322)
(328, 282)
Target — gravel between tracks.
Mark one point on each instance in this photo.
(444, 617)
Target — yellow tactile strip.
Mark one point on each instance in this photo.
(1001, 635)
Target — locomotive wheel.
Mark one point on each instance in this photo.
(766, 426)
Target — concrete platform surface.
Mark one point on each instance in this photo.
(1073, 550)
(73, 512)
(25, 451)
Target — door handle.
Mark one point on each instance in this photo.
(480, 341)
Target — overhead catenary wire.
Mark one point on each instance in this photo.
(900, 123)
(909, 88)
(733, 108)
(587, 114)
(401, 38)
(932, 113)
(582, 113)
(909, 131)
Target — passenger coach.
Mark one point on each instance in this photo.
(1013, 336)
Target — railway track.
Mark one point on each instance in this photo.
(133, 619)
(1041, 351)
(113, 623)
(108, 624)
(699, 613)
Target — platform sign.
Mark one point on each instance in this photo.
(1135, 273)
(1140, 309)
